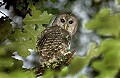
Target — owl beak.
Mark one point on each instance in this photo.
(65, 27)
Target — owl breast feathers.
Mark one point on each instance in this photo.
(53, 43)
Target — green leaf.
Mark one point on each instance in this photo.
(105, 23)
(5, 63)
(110, 63)
(118, 2)
(5, 29)
(36, 18)
(49, 74)
(18, 74)
(78, 63)
(64, 72)
(26, 38)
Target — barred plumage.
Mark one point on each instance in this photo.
(53, 43)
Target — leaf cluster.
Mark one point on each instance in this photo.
(20, 40)
(106, 23)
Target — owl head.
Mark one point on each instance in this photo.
(67, 21)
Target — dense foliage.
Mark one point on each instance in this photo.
(102, 59)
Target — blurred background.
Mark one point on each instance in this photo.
(97, 40)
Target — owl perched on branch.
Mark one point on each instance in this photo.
(53, 43)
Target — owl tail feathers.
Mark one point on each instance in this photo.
(39, 71)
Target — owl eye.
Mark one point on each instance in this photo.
(70, 22)
(62, 20)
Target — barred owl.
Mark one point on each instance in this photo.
(53, 43)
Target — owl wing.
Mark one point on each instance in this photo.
(41, 36)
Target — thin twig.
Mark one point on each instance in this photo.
(3, 13)
(8, 17)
